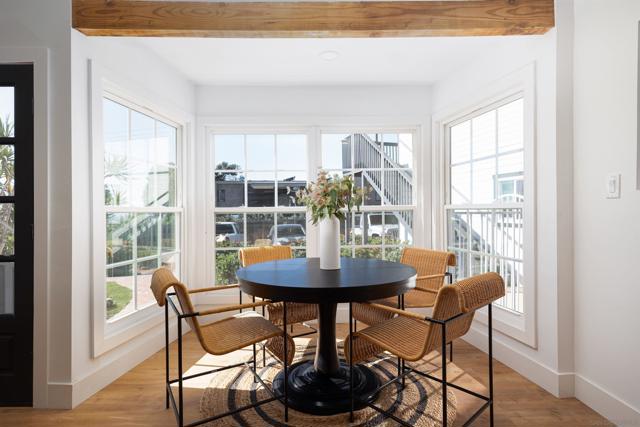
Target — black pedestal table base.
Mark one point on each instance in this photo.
(316, 393)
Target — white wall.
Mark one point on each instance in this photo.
(136, 69)
(541, 362)
(31, 29)
(607, 232)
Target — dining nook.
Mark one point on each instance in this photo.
(319, 213)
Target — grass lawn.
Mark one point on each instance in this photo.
(121, 295)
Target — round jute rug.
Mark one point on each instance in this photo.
(419, 403)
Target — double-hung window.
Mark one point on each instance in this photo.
(381, 164)
(142, 203)
(485, 197)
(256, 176)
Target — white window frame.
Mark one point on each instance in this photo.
(110, 334)
(521, 83)
(314, 160)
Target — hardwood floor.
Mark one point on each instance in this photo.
(137, 398)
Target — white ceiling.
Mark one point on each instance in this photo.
(208, 61)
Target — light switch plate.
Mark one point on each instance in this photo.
(613, 186)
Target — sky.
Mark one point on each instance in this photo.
(6, 102)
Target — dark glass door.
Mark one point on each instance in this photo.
(16, 234)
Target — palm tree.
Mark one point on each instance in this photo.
(226, 176)
(7, 178)
(6, 127)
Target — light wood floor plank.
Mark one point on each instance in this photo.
(137, 398)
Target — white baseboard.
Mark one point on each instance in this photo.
(557, 383)
(70, 395)
(606, 404)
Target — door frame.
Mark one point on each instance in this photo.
(39, 57)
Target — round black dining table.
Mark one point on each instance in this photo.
(321, 386)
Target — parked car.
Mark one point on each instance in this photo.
(287, 234)
(227, 232)
(374, 225)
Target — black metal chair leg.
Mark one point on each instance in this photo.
(255, 368)
(180, 399)
(490, 326)
(166, 353)
(286, 374)
(444, 374)
(351, 321)
(264, 346)
(451, 351)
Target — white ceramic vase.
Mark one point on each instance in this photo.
(330, 243)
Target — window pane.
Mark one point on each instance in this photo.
(229, 189)
(172, 262)
(119, 282)
(398, 186)
(260, 229)
(369, 253)
(461, 142)
(405, 150)
(229, 152)
(346, 228)
(261, 152)
(261, 189)
(483, 186)
(346, 251)
(227, 263)
(370, 182)
(336, 151)
(116, 163)
(166, 162)
(511, 126)
(460, 184)
(7, 170)
(367, 150)
(393, 254)
(288, 184)
(119, 237)
(230, 230)
(291, 230)
(292, 152)
(458, 231)
(484, 134)
(7, 224)
(147, 235)
(144, 296)
(7, 288)
(398, 228)
(7, 106)
(368, 229)
(141, 160)
(299, 253)
(169, 232)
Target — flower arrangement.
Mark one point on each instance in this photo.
(329, 196)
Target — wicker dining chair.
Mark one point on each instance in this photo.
(217, 338)
(410, 336)
(296, 312)
(432, 268)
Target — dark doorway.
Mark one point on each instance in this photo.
(16, 234)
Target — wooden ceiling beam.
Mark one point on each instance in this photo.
(313, 19)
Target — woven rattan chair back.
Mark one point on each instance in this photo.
(465, 296)
(161, 281)
(250, 256)
(427, 262)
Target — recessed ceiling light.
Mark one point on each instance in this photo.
(329, 55)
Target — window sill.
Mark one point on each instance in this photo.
(116, 333)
